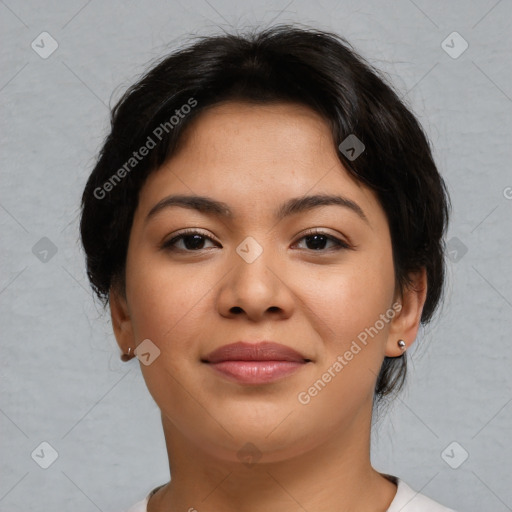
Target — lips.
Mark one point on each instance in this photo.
(262, 351)
(255, 363)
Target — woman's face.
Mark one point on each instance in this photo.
(256, 275)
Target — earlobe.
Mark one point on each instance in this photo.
(121, 321)
(404, 326)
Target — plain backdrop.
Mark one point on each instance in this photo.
(62, 382)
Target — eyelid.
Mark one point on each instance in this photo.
(187, 231)
(340, 240)
(322, 231)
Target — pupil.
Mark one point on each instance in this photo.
(197, 242)
(316, 243)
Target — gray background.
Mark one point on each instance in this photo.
(62, 380)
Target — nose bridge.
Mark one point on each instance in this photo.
(253, 286)
(251, 263)
(250, 250)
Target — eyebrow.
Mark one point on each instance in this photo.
(220, 209)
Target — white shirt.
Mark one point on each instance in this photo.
(406, 500)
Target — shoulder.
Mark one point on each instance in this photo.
(140, 506)
(408, 500)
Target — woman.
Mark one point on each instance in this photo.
(266, 223)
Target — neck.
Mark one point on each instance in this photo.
(334, 475)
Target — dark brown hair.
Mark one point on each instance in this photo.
(283, 63)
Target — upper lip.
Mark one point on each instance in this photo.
(261, 351)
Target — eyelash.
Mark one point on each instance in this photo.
(340, 244)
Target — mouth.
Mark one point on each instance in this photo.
(255, 363)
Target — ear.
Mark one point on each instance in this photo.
(406, 322)
(121, 321)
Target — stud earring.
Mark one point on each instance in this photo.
(401, 345)
(127, 357)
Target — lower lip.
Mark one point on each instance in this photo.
(256, 372)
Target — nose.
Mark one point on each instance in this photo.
(256, 288)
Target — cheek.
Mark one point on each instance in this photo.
(167, 306)
(163, 301)
(349, 300)
(352, 308)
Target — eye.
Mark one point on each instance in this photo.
(193, 241)
(316, 240)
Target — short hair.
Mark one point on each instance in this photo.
(284, 63)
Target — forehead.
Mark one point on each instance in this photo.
(254, 156)
(274, 130)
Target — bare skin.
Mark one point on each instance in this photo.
(188, 301)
